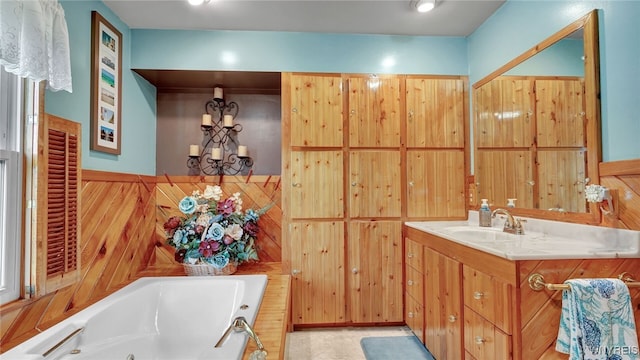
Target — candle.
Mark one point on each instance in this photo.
(217, 93)
(194, 150)
(228, 121)
(216, 154)
(242, 151)
(206, 120)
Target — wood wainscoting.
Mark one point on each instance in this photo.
(117, 222)
(623, 177)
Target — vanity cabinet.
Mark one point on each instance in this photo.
(414, 287)
(478, 306)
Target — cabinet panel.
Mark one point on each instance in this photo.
(435, 112)
(375, 260)
(316, 110)
(374, 111)
(317, 185)
(483, 340)
(414, 317)
(443, 306)
(492, 181)
(436, 183)
(560, 113)
(488, 296)
(317, 263)
(373, 183)
(503, 113)
(413, 254)
(414, 283)
(561, 178)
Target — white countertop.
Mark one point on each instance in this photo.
(543, 239)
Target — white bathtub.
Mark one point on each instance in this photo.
(155, 318)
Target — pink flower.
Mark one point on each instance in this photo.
(226, 207)
(227, 240)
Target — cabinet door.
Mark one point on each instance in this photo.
(374, 111)
(436, 183)
(443, 306)
(504, 174)
(560, 113)
(435, 112)
(317, 263)
(561, 179)
(316, 110)
(374, 183)
(504, 113)
(483, 340)
(375, 261)
(317, 185)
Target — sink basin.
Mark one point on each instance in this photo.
(484, 234)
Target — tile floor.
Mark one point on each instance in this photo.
(334, 343)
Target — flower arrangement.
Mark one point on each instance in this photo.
(214, 230)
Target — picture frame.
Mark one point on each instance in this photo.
(106, 86)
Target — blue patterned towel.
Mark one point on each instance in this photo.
(597, 321)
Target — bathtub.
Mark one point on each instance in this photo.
(155, 318)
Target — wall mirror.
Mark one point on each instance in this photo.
(537, 127)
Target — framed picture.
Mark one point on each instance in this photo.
(106, 85)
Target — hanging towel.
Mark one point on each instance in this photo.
(597, 321)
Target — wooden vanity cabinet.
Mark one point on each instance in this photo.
(478, 306)
(414, 287)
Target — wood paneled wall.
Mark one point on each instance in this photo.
(256, 192)
(623, 178)
(117, 218)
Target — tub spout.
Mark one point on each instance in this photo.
(240, 324)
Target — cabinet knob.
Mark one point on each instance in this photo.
(410, 282)
(296, 184)
(354, 270)
(295, 110)
(478, 295)
(410, 255)
(479, 340)
(410, 314)
(452, 318)
(410, 183)
(295, 271)
(354, 183)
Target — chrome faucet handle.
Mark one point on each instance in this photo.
(518, 226)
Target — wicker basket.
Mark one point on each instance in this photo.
(208, 270)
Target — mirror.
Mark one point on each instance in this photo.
(537, 127)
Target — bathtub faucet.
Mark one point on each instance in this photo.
(240, 324)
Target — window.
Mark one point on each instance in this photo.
(11, 100)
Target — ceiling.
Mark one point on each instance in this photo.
(382, 17)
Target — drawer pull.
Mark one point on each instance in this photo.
(354, 270)
(479, 340)
(478, 295)
(452, 318)
(410, 314)
(410, 282)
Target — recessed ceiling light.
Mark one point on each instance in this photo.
(198, 2)
(425, 5)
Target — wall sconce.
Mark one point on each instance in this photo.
(220, 139)
(599, 194)
(423, 6)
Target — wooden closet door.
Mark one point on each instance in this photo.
(503, 114)
(374, 183)
(316, 110)
(505, 174)
(436, 183)
(435, 112)
(317, 186)
(317, 263)
(374, 111)
(561, 179)
(375, 271)
(560, 113)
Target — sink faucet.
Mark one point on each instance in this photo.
(511, 224)
(240, 324)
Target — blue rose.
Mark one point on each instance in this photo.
(216, 231)
(220, 260)
(251, 215)
(178, 237)
(188, 205)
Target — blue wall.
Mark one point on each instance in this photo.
(619, 57)
(501, 38)
(138, 146)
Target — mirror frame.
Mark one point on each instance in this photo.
(589, 24)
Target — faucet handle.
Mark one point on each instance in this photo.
(518, 225)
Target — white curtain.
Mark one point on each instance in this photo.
(34, 41)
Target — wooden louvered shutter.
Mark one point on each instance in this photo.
(58, 194)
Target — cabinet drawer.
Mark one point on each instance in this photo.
(488, 296)
(414, 284)
(414, 316)
(413, 254)
(484, 341)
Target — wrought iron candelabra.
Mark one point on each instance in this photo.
(221, 153)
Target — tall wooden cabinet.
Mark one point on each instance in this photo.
(350, 179)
